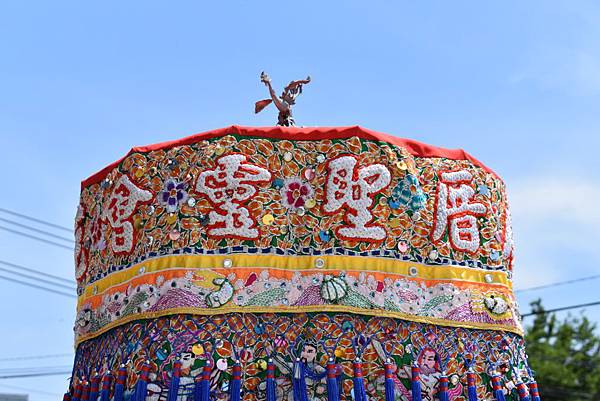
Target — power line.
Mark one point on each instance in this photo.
(22, 375)
(41, 280)
(23, 358)
(35, 238)
(37, 230)
(29, 390)
(3, 262)
(14, 280)
(541, 312)
(40, 221)
(559, 283)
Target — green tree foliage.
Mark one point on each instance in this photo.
(565, 356)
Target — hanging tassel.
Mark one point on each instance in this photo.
(174, 387)
(141, 387)
(202, 386)
(333, 393)
(389, 381)
(105, 391)
(471, 386)
(271, 395)
(497, 388)
(443, 388)
(94, 388)
(77, 391)
(533, 391)
(359, 382)
(120, 384)
(235, 385)
(85, 390)
(299, 381)
(522, 391)
(415, 383)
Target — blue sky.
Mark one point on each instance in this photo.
(516, 84)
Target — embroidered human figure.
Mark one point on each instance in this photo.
(354, 187)
(229, 187)
(121, 205)
(457, 211)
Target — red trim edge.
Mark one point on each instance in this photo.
(415, 148)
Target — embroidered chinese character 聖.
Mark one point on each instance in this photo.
(456, 211)
(229, 187)
(353, 187)
(121, 205)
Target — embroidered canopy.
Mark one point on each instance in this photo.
(269, 263)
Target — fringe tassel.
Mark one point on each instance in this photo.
(94, 388)
(77, 391)
(389, 381)
(174, 387)
(497, 388)
(271, 395)
(85, 391)
(522, 391)
(533, 391)
(141, 387)
(333, 393)
(235, 385)
(299, 381)
(359, 382)
(443, 388)
(339, 380)
(471, 386)
(105, 391)
(415, 383)
(205, 382)
(120, 384)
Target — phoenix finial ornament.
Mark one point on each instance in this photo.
(284, 102)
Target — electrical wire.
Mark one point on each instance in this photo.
(23, 358)
(37, 230)
(39, 287)
(41, 280)
(40, 221)
(559, 283)
(541, 312)
(29, 390)
(28, 269)
(35, 238)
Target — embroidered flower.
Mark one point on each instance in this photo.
(173, 195)
(295, 193)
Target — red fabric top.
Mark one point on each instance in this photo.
(416, 148)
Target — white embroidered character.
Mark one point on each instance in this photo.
(121, 206)
(228, 187)
(354, 187)
(456, 209)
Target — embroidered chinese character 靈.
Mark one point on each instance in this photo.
(121, 205)
(352, 188)
(456, 211)
(228, 188)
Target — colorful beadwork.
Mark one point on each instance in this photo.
(296, 264)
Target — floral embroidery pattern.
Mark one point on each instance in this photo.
(295, 193)
(173, 195)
